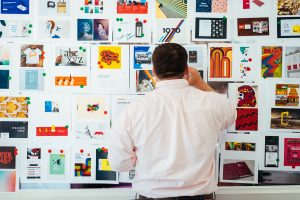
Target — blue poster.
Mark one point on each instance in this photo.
(4, 79)
(142, 55)
(14, 6)
(85, 29)
(203, 6)
(31, 79)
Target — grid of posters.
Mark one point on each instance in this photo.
(68, 69)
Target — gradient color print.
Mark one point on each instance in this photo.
(8, 181)
(168, 37)
(220, 62)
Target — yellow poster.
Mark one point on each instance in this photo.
(104, 165)
(109, 57)
(13, 107)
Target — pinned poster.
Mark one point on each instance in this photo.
(91, 119)
(130, 29)
(94, 8)
(239, 163)
(54, 29)
(13, 129)
(271, 61)
(15, 7)
(110, 69)
(8, 172)
(171, 30)
(57, 111)
(70, 55)
(291, 63)
(68, 80)
(220, 66)
(14, 107)
(99, 29)
(142, 78)
(58, 164)
(82, 164)
(104, 173)
(54, 8)
(246, 62)
(16, 30)
(247, 101)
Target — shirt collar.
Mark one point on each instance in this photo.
(172, 83)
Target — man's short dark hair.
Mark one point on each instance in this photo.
(169, 61)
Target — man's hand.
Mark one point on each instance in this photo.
(195, 80)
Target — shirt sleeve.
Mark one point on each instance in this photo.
(121, 152)
(27, 51)
(227, 112)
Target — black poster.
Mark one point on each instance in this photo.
(102, 167)
(14, 129)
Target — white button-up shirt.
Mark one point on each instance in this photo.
(170, 135)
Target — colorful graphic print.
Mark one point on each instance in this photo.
(110, 57)
(247, 96)
(287, 95)
(13, 107)
(247, 119)
(220, 62)
(271, 62)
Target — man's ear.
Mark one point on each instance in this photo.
(154, 74)
(186, 73)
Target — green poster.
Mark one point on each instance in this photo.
(57, 164)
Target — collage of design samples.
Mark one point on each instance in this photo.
(68, 69)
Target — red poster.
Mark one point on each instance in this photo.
(51, 131)
(292, 152)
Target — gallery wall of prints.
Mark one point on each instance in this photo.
(68, 68)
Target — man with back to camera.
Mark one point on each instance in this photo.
(170, 134)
